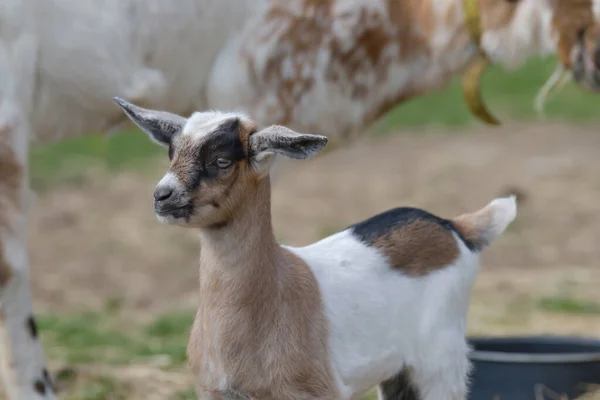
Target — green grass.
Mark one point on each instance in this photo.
(508, 94)
(65, 162)
(568, 305)
(104, 337)
(102, 388)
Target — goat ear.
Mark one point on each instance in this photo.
(284, 141)
(161, 126)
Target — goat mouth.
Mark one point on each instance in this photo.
(174, 212)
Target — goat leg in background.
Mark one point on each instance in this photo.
(22, 365)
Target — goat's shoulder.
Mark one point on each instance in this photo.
(413, 240)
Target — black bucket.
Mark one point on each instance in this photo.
(513, 368)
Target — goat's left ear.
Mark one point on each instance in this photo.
(161, 126)
(277, 139)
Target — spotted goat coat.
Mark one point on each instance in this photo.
(332, 66)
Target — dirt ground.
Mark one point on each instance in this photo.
(99, 240)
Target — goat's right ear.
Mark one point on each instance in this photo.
(161, 126)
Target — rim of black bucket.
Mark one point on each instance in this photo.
(550, 358)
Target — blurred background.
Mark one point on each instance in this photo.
(115, 291)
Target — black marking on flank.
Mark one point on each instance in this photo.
(398, 388)
(369, 230)
(40, 387)
(32, 326)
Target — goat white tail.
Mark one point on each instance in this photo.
(482, 227)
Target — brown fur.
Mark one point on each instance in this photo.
(246, 129)
(6, 271)
(473, 226)
(294, 33)
(570, 16)
(591, 40)
(260, 322)
(221, 194)
(497, 14)
(11, 181)
(408, 26)
(185, 158)
(419, 247)
(260, 328)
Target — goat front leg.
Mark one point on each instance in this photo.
(22, 364)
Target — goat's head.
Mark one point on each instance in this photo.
(217, 159)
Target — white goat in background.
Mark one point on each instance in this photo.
(331, 66)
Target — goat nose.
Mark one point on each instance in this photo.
(162, 193)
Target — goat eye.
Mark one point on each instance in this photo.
(223, 163)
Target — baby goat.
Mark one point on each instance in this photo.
(383, 302)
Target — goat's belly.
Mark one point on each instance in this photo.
(374, 330)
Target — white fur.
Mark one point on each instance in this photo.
(503, 212)
(596, 9)
(382, 321)
(169, 180)
(201, 123)
(530, 32)
(328, 105)
(15, 337)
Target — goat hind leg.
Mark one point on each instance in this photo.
(445, 375)
(399, 387)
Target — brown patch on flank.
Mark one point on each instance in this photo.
(419, 247)
(570, 16)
